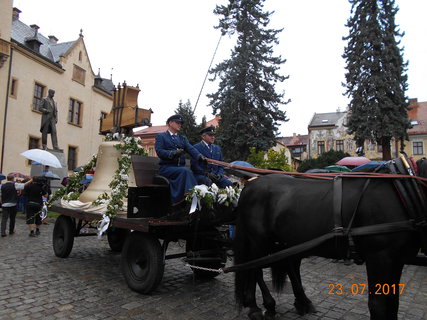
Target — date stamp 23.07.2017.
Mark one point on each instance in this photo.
(362, 288)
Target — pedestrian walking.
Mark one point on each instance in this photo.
(9, 200)
(35, 193)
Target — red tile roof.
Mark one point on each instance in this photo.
(157, 129)
(419, 114)
(150, 130)
(294, 140)
(214, 122)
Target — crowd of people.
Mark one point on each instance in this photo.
(26, 196)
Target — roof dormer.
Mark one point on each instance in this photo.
(33, 42)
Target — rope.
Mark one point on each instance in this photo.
(207, 73)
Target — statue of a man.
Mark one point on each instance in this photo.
(49, 120)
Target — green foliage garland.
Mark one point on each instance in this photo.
(119, 185)
(72, 190)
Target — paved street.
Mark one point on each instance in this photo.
(35, 284)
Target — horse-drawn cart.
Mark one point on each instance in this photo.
(145, 231)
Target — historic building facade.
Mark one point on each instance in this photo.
(416, 146)
(326, 131)
(34, 65)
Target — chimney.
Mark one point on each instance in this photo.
(413, 101)
(35, 28)
(15, 14)
(53, 40)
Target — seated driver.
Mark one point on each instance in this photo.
(170, 148)
(210, 173)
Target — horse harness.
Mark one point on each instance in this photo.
(410, 195)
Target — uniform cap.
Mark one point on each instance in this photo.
(209, 130)
(175, 118)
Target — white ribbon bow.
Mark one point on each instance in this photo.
(103, 225)
(200, 191)
(43, 212)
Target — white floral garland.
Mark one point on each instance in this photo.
(111, 203)
(208, 196)
(119, 184)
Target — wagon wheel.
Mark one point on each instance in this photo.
(207, 253)
(116, 238)
(63, 236)
(142, 262)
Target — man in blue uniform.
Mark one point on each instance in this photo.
(170, 148)
(212, 173)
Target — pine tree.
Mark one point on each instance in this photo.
(189, 128)
(375, 80)
(246, 98)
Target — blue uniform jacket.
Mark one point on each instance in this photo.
(165, 145)
(216, 154)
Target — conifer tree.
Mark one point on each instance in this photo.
(375, 80)
(189, 128)
(246, 98)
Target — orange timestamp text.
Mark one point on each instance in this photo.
(362, 288)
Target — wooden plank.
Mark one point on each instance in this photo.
(120, 221)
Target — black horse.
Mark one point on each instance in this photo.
(367, 215)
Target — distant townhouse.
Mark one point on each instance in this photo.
(416, 146)
(297, 146)
(148, 137)
(326, 131)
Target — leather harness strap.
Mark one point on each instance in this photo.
(265, 261)
(339, 230)
(337, 204)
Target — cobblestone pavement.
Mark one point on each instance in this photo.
(35, 284)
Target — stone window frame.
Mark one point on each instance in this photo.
(75, 116)
(419, 149)
(13, 90)
(72, 157)
(38, 95)
(33, 143)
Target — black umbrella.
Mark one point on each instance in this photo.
(51, 176)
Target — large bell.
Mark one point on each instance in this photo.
(106, 166)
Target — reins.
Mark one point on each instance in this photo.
(325, 176)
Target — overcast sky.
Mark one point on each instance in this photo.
(166, 47)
